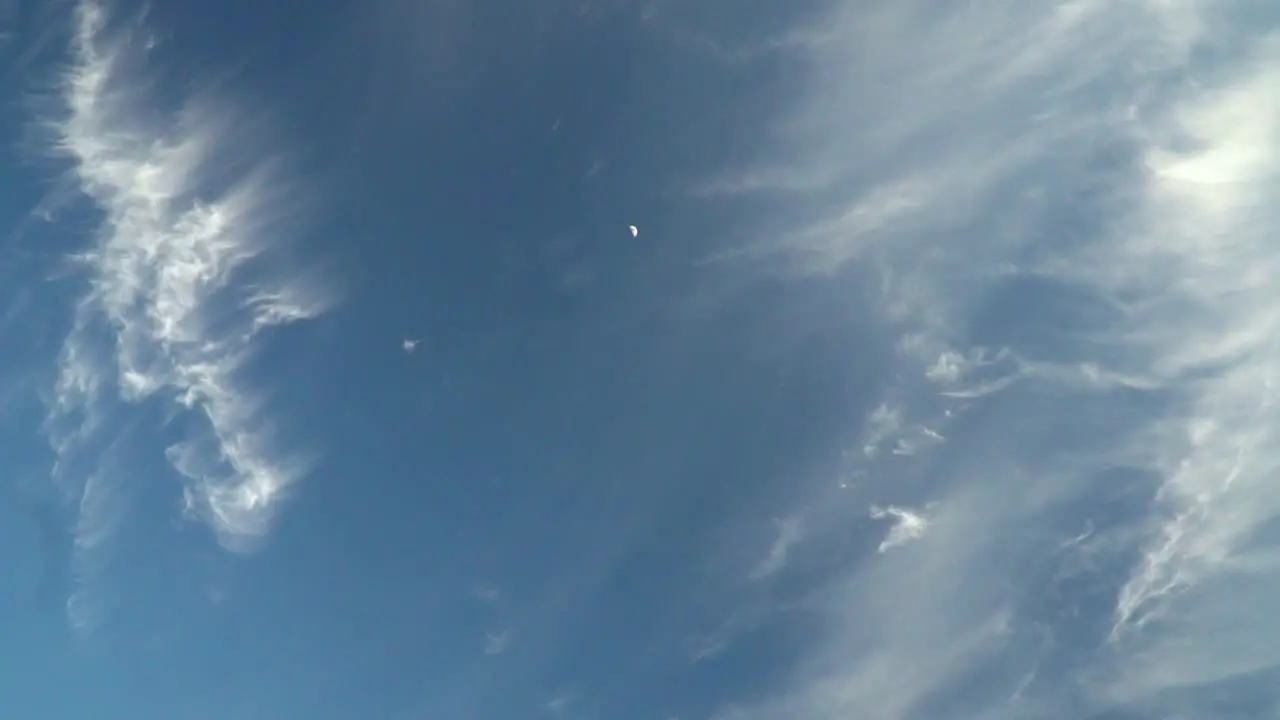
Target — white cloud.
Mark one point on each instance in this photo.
(188, 204)
(1069, 207)
(496, 643)
(488, 595)
(1206, 320)
(907, 525)
(790, 531)
(561, 704)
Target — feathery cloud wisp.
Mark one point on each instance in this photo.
(790, 532)
(1066, 205)
(907, 526)
(170, 315)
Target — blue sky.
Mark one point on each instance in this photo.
(937, 382)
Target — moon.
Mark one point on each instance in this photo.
(635, 231)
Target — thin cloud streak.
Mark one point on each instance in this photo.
(1068, 207)
(171, 315)
(790, 531)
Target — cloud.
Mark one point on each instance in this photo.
(496, 643)
(562, 704)
(1066, 208)
(184, 280)
(907, 526)
(790, 532)
(1204, 317)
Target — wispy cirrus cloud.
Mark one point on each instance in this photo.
(496, 643)
(1066, 208)
(790, 532)
(907, 525)
(179, 290)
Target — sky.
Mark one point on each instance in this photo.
(936, 380)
